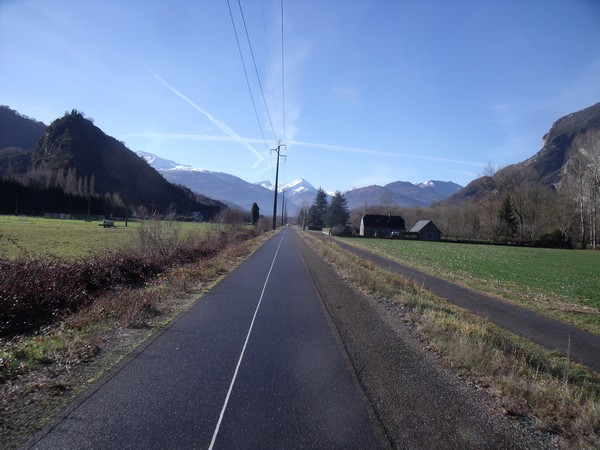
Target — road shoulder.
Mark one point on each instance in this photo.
(419, 404)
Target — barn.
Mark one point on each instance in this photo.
(426, 230)
(374, 225)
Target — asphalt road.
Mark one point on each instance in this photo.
(581, 346)
(255, 364)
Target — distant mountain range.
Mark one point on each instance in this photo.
(30, 149)
(401, 193)
(73, 142)
(238, 193)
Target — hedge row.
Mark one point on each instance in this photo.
(34, 293)
(38, 292)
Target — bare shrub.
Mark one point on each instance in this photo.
(262, 225)
(159, 237)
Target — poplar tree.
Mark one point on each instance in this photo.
(254, 213)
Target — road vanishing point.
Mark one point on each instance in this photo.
(280, 354)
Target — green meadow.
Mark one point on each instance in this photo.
(70, 239)
(561, 283)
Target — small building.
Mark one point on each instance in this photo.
(425, 230)
(374, 225)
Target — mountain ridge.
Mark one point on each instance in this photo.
(299, 193)
(105, 152)
(77, 158)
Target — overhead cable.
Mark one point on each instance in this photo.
(256, 70)
(246, 75)
(282, 75)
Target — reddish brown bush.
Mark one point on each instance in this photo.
(37, 292)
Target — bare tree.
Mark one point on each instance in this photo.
(386, 200)
(515, 182)
(582, 183)
(490, 198)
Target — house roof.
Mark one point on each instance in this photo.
(382, 221)
(422, 224)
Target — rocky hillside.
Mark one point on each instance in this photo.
(75, 155)
(74, 142)
(547, 166)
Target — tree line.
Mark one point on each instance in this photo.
(32, 198)
(513, 206)
(323, 213)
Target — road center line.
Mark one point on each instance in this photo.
(216, 432)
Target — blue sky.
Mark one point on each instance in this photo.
(372, 91)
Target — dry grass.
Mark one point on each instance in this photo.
(41, 373)
(560, 396)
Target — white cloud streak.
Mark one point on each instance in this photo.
(373, 152)
(231, 134)
(328, 147)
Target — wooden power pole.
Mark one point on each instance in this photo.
(278, 150)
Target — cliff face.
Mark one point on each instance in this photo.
(558, 146)
(546, 167)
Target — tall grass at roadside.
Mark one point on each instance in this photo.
(564, 284)
(562, 397)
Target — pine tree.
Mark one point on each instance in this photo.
(316, 213)
(506, 216)
(337, 212)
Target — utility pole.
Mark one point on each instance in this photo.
(278, 150)
(282, 207)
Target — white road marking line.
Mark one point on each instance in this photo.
(216, 432)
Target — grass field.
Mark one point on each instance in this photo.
(561, 283)
(68, 239)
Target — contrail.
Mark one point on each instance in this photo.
(219, 123)
(368, 151)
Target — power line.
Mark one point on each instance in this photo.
(268, 50)
(282, 75)
(256, 69)
(246, 74)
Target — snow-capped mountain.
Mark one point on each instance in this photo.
(266, 184)
(298, 194)
(227, 188)
(160, 163)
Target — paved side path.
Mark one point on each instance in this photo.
(293, 387)
(581, 346)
